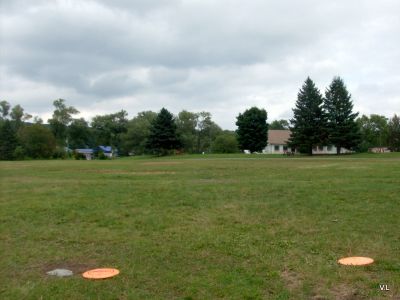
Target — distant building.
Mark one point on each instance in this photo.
(88, 153)
(379, 150)
(107, 150)
(278, 144)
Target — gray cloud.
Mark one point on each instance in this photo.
(221, 57)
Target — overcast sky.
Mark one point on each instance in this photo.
(221, 56)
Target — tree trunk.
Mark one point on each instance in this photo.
(338, 150)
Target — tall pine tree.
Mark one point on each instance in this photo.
(343, 131)
(163, 136)
(308, 126)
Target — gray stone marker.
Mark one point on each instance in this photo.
(60, 273)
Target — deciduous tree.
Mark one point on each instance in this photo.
(8, 140)
(187, 123)
(252, 129)
(109, 129)
(279, 125)
(207, 131)
(37, 141)
(4, 109)
(80, 134)
(394, 133)
(138, 130)
(374, 131)
(225, 143)
(62, 117)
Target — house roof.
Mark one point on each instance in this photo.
(278, 137)
(84, 151)
(106, 149)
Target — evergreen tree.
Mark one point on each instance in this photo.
(163, 136)
(343, 130)
(308, 126)
(8, 141)
(252, 129)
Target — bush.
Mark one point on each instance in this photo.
(79, 156)
(225, 143)
(19, 153)
(37, 141)
(60, 153)
(101, 155)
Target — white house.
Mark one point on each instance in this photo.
(277, 142)
(278, 139)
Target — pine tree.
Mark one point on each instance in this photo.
(163, 134)
(308, 126)
(343, 131)
(252, 129)
(8, 141)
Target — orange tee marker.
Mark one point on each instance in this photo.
(355, 261)
(100, 273)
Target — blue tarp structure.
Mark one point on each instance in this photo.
(105, 149)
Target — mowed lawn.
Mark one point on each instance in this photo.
(201, 227)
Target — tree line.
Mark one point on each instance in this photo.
(23, 136)
(321, 120)
(317, 120)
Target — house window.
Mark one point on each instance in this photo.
(284, 148)
(314, 149)
(320, 148)
(329, 148)
(276, 147)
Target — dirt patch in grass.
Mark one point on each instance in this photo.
(154, 173)
(161, 163)
(76, 267)
(127, 172)
(340, 291)
(292, 279)
(345, 292)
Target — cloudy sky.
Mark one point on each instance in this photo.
(221, 56)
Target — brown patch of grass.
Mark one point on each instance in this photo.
(161, 163)
(77, 267)
(154, 173)
(126, 172)
(345, 292)
(292, 279)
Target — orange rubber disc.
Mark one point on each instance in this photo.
(100, 273)
(355, 261)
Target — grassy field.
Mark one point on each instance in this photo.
(201, 227)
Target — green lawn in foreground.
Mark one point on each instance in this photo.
(201, 227)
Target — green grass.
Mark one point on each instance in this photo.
(201, 227)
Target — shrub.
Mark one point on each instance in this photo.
(101, 155)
